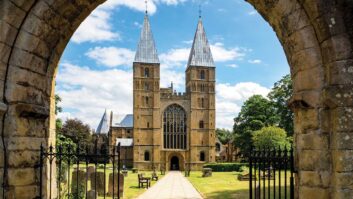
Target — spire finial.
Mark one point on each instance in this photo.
(200, 11)
(146, 7)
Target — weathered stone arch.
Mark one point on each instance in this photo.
(317, 37)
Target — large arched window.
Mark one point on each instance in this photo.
(174, 127)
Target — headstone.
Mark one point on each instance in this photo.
(90, 170)
(99, 184)
(124, 172)
(121, 186)
(91, 194)
(79, 183)
(206, 172)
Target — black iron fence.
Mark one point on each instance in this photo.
(76, 173)
(271, 174)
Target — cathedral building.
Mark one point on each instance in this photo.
(168, 130)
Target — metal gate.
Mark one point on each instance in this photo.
(271, 174)
(80, 173)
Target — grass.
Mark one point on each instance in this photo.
(226, 185)
(131, 189)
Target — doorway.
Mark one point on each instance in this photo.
(174, 163)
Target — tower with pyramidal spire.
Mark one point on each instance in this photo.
(169, 130)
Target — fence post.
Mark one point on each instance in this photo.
(118, 170)
(250, 173)
(291, 174)
(41, 171)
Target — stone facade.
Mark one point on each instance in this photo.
(317, 37)
(148, 119)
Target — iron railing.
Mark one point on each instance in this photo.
(271, 174)
(79, 173)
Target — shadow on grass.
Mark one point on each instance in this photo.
(244, 194)
(229, 194)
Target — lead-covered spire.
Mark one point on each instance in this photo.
(146, 49)
(200, 54)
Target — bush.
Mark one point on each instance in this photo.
(225, 166)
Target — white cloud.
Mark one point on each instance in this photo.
(171, 2)
(230, 99)
(222, 54)
(111, 56)
(85, 96)
(253, 12)
(96, 28)
(137, 24)
(255, 61)
(174, 57)
(233, 65)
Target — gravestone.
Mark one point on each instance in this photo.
(90, 170)
(206, 172)
(121, 186)
(99, 184)
(79, 183)
(91, 194)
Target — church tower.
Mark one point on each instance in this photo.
(200, 86)
(146, 101)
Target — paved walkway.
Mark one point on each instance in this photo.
(172, 186)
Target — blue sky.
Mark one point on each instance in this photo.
(95, 71)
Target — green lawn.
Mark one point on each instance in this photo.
(225, 185)
(221, 185)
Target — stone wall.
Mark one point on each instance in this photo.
(317, 37)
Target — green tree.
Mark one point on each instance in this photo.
(224, 135)
(256, 113)
(58, 109)
(271, 137)
(279, 96)
(76, 130)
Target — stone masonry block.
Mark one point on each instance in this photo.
(310, 160)
(342, 160)
(21, 176)
(314, 192)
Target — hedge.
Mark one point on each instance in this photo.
(225, 166)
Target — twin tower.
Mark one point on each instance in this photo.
(173, 131)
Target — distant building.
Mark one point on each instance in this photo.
(168, 130)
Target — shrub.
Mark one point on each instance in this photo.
(225, 166)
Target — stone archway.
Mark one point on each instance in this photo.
(317, 37)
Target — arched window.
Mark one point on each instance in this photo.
(147, 72)
(147, 156)
(202, 74)
(218, 147)
(174, 127)
(201, 124)
(202, 156)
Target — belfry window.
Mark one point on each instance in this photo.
(202, 74)
(147, 72)
(174, 127)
